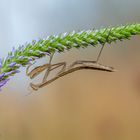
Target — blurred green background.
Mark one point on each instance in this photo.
(85, 105)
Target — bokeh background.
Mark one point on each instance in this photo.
(85, 105)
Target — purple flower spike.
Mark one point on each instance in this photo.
(20, 57)
(11, 72)
(16, 71)
(2, 75)
(2, 83)
(8, 73)
(12, 64)
(30, 51)
(13, 51)
(30, 59)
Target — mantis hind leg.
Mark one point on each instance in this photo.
(84, 62)
(99, 55)
(103, 44)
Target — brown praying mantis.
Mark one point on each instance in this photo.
(75, 66)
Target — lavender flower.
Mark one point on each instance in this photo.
(12, 64)
(2, 75)
(11, 72)
(3, 82)
(20, 57)
(13, 51)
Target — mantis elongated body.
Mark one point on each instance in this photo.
(75, 66)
